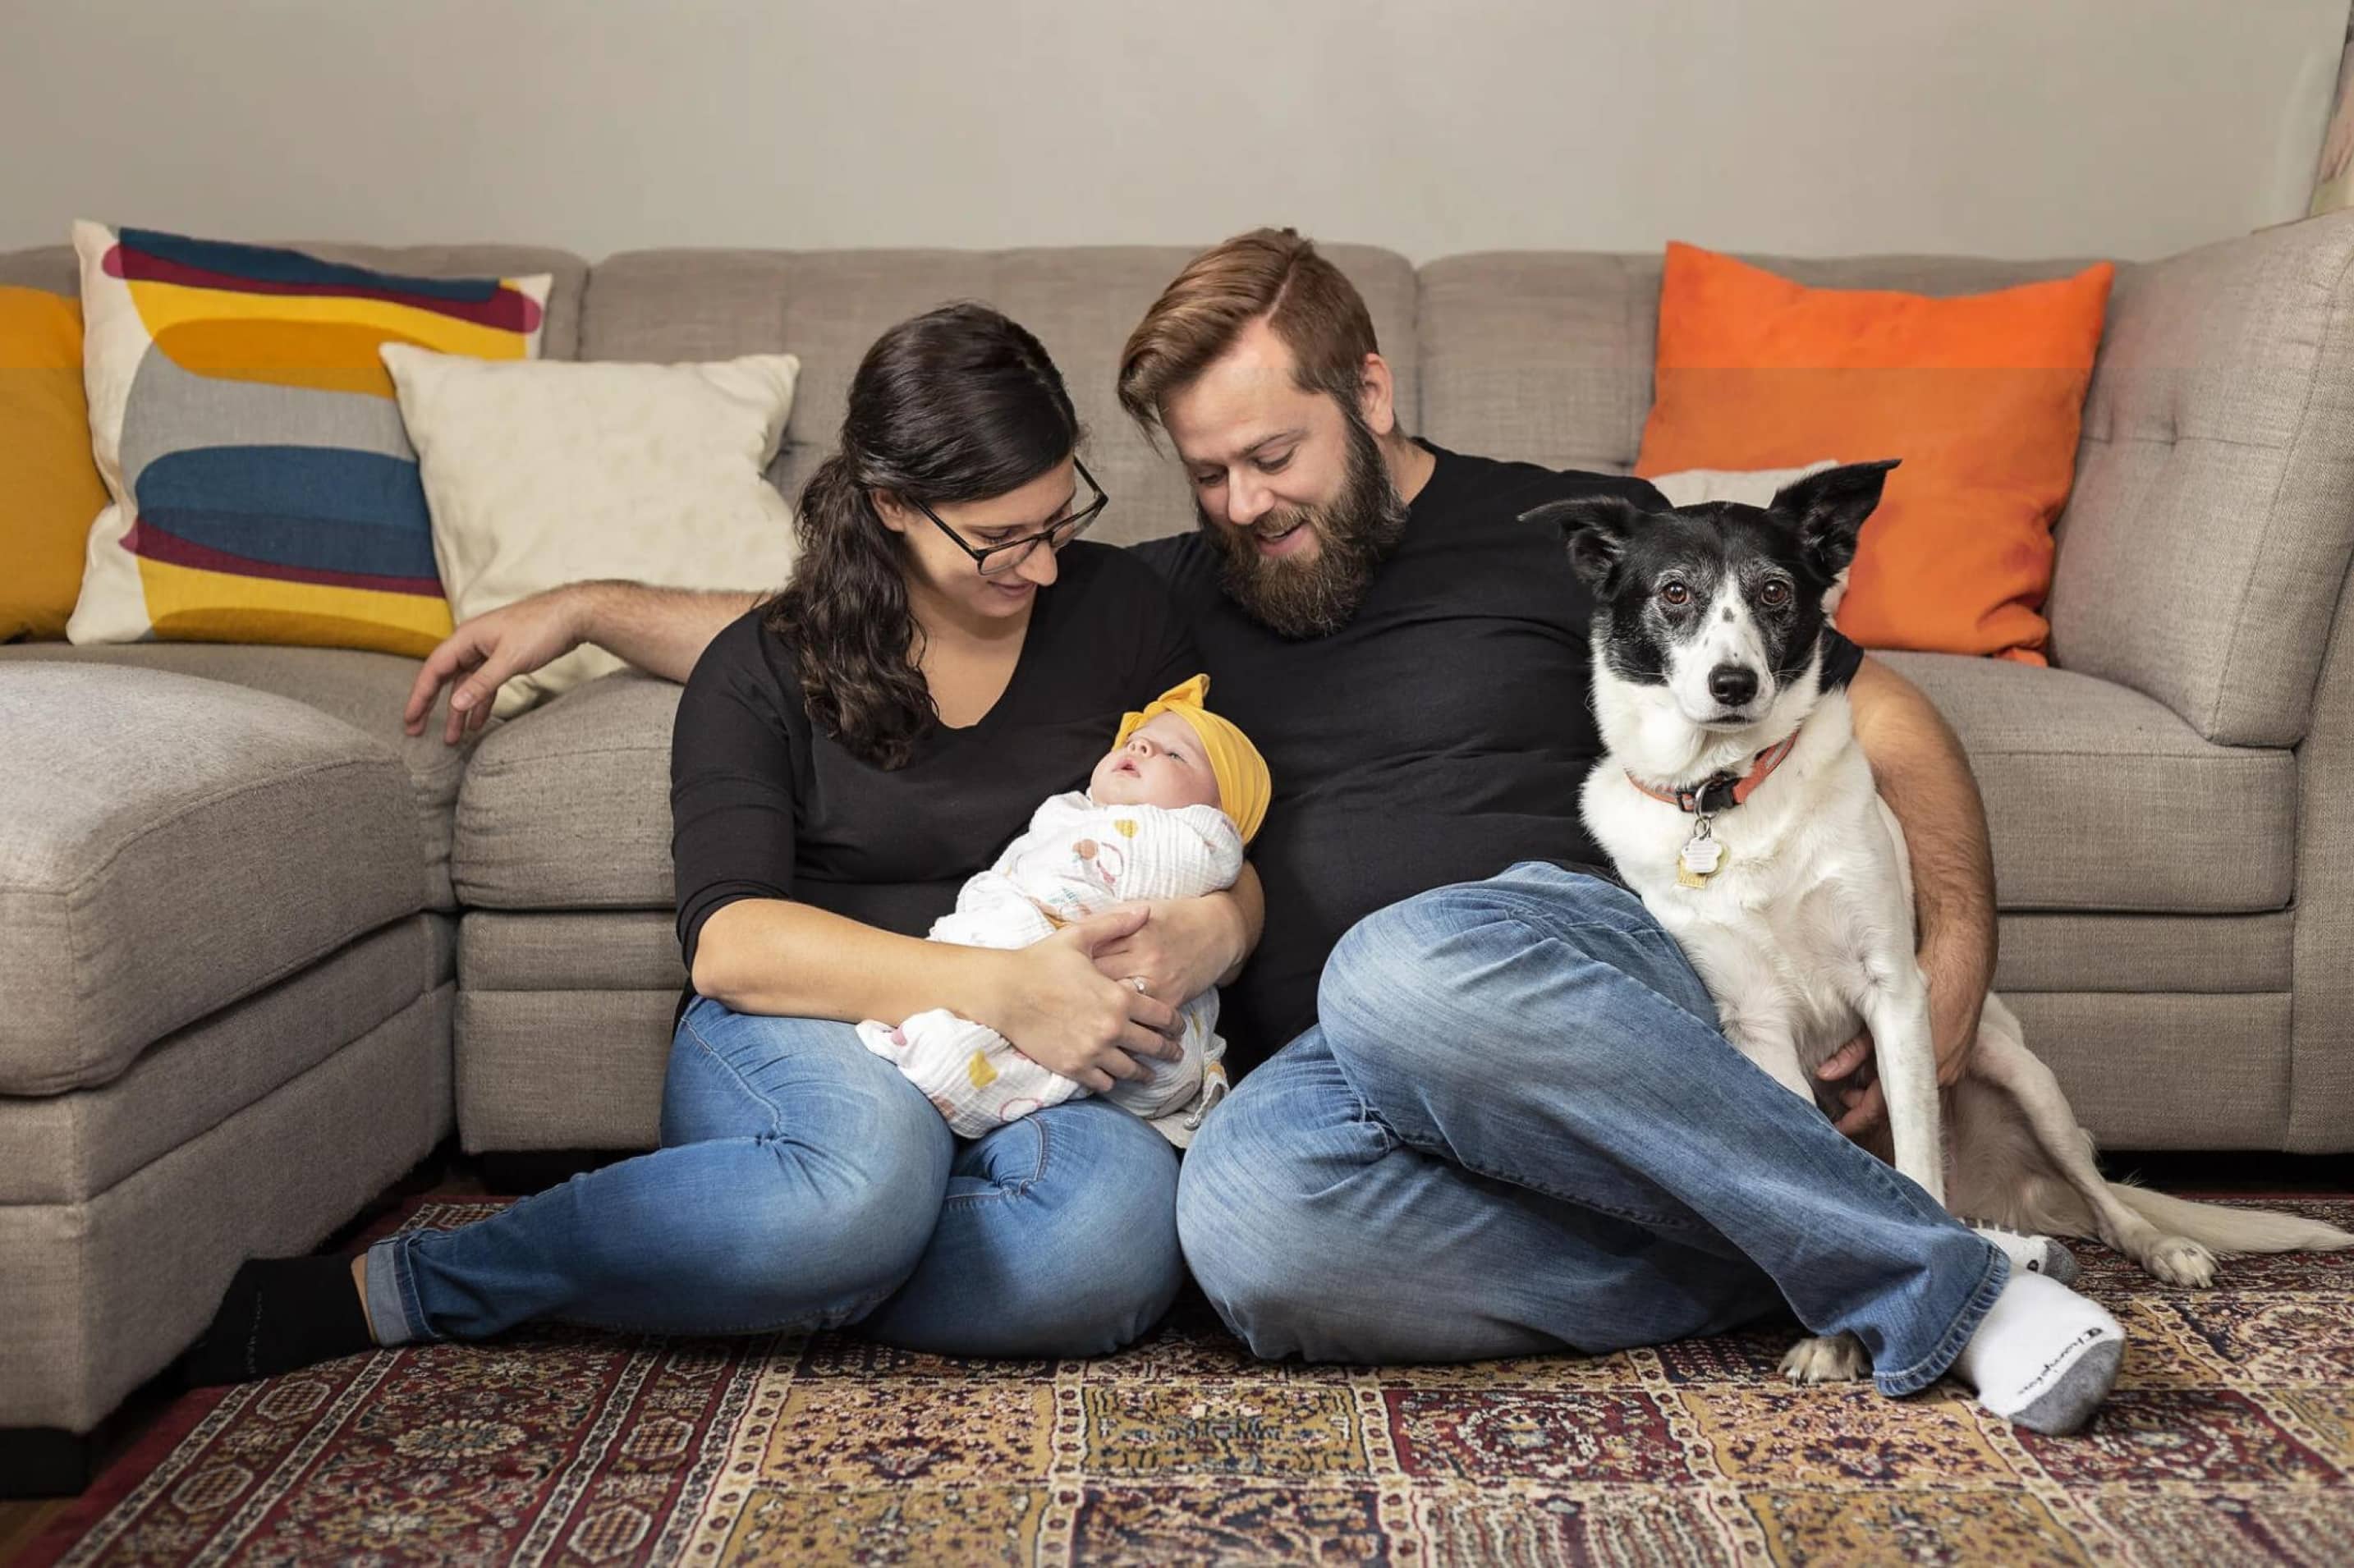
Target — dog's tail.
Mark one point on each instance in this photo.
(2231, 1229)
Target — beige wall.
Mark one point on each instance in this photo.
(2005, 127)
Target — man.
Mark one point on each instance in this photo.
(1486, 1109)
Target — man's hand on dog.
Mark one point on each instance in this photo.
(1956, 1028)
(1860, 1092)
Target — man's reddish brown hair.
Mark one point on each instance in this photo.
(1270, 273)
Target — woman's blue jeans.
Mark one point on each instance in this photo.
(1516, 1129)
(803, 1184)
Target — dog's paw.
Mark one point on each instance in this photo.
(2178, 1260)
(1834, 1359)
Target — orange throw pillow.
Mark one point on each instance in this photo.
(1982, 397)
(50, 490)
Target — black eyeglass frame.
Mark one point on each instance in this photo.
(1055, 536)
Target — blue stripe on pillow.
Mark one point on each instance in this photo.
(272, 265)
(299, 506)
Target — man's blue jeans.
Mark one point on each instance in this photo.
(803, 1184)
(1516, 1129)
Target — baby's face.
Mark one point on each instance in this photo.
(1161, 765)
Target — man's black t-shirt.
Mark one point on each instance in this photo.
(1438, 738)
(763, 806)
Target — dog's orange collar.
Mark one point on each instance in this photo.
(1723, 791)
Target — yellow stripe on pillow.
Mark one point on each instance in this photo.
(189, 604)
(163, 306)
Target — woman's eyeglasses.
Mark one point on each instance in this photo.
(995, 560)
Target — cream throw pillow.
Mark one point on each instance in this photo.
(1744, 486)
(555, 471)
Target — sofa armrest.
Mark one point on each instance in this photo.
(2321, 1007)
(2201, 554)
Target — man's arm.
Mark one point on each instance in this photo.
(661, 631)
(1923, 774)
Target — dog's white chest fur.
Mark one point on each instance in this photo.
(1796, 931)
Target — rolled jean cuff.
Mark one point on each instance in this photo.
(1930, 1367)
(393, 1313)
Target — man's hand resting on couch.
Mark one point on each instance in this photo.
(661, 631)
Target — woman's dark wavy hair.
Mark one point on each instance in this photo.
(958, 404)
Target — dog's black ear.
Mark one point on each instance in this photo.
(1829, 509)
(1596, 528)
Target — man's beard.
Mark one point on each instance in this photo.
(1317, 596)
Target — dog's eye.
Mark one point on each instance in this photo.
(1675, 593)
(1775, 594)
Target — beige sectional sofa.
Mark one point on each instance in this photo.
(259, 950)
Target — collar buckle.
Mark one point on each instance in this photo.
(1722, 792)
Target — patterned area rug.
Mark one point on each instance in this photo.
(2231, 1440)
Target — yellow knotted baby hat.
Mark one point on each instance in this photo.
(1244, 782)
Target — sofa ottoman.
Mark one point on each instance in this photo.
(224, 1016)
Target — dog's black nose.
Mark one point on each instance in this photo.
(1733, 684)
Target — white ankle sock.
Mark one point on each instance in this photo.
(2045, 1356)
(2033, 1254)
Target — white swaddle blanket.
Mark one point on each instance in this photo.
(1075, 860)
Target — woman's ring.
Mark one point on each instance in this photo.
(1137, 981)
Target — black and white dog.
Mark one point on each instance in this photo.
(1738, 805)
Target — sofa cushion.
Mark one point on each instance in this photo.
(559, 1069)
(366, 690)
(602, 950)
(2144, 955)
(829, 306)
(64, 1148)
(568, 806)
(2100, 798)
(169, 845)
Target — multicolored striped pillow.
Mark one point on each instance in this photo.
(264, 487)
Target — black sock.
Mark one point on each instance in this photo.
(279, 1314)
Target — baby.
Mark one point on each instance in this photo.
(1165, 815)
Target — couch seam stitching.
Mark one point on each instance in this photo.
(2198, 757)
(499, 767)
(2180, 437)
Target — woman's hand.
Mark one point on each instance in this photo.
(1053, 1001)
(1181, 949)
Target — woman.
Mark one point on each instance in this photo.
(844, 756)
